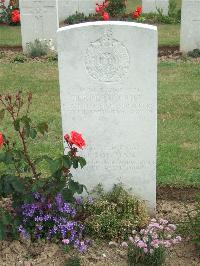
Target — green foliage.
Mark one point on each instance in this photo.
(113, 215)
(20, 176)
(80, 17)
(137, 257)
(8, 225)
(116, 7)
(195, 53)
(19, 58)
(73, 261)
(38, 48)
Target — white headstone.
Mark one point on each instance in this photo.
(39, 20)
(151, 6)
(69, 7)
(7, 3)
(108, 90)
(190, 25)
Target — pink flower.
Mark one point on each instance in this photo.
(151, 251)
(162, 221)
(124, 245)
(167, 244)
(141, 244)
(131, 239)
(179, 238)
(172, 226)
(145, 250)
(65, 241)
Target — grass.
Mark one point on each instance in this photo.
(168, 35)
(10, 36)
(132, 4)
(178, 114)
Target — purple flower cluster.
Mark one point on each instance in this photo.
(52, 219)
(158, 234)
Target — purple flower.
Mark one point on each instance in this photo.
(59, 199)
(36, 195)
(79, 200)
(23, 232)
(90, 200)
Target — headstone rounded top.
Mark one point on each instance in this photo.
(104, 23)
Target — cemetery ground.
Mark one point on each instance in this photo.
(177, 161)
(178, 151)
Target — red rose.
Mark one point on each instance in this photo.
(106, 16)
(75, 139)
(1, 140)
(97, 9)
(139, 10)
(136, 14)
(15, 16)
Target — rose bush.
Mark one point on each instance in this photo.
(11, 14)
(20, 176)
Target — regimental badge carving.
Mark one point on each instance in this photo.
(107, 59)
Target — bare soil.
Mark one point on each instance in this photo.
(19, 253)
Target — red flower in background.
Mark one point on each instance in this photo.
(106, 16)
(136, 14)
(1, 139)
(15, 17)
(75, 139)
(139, 10)
(101, 10)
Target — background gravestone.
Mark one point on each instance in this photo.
(7, 3)
(108, 92)
(39, 20)
(150, 6)
(190, 25)
(70, 7)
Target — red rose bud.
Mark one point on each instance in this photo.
(139, 10)
(67, 137)
(1, 140)
(106, 16)
(136, 14)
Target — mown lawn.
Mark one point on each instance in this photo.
(10, 36)
(178, 114)
(168, 35)
(132, 4)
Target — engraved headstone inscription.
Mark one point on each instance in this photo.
(190, 25)
(152, 6)
(108, 92)
(39, 20)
